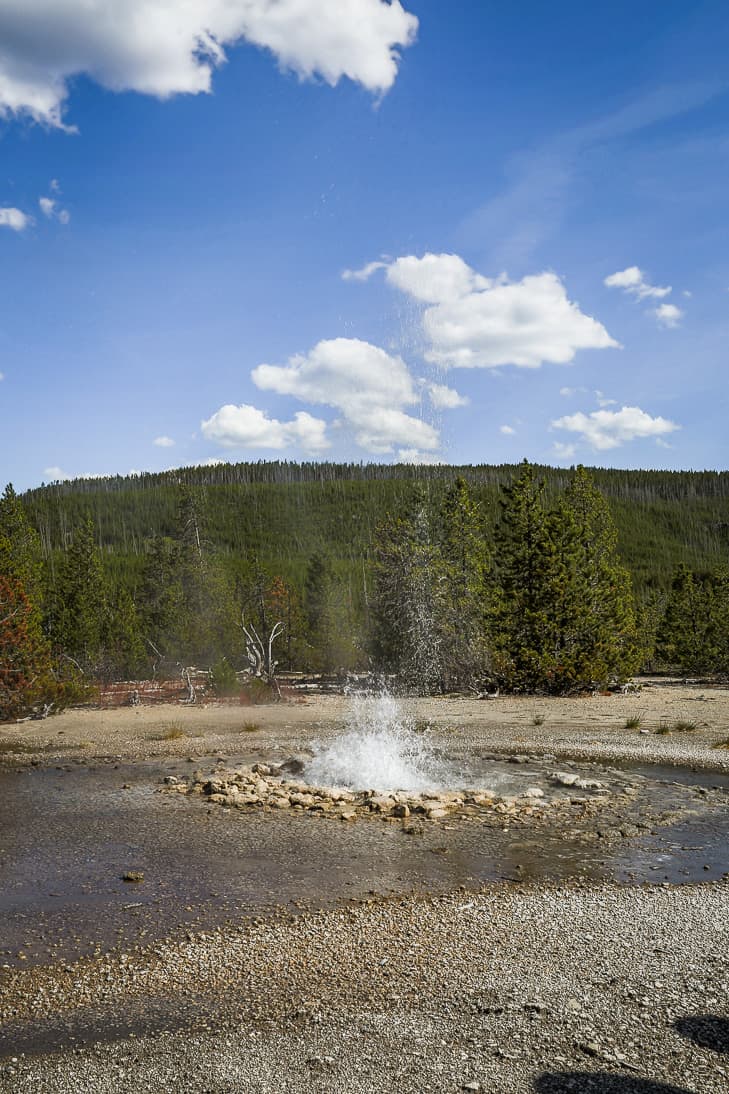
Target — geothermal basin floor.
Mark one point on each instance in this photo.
(516, 964)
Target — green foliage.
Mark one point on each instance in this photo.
(431, 596)
(694, 633)
(25, 664)
(79, 602)
(564, 615)
(223, 679)
(169, 564)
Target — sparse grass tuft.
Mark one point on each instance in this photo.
(722, 744)
(635, 721)
(250, 727)
(538, 720)
(172, 733)
(682, 726)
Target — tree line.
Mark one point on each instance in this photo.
(449, 591)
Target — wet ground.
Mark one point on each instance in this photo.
(68, 835)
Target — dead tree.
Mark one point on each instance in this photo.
(191, 696)
(259, 652)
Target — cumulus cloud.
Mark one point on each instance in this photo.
(507, 430)
(445, 398)
(605, 429)
(163, 442)
(369, 386)
(632, 280)
(14, 219)
(246, 426)
(168, 47)
(668, 315)
(471, 321)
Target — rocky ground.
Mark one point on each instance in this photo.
(527, 987)
(517, 989)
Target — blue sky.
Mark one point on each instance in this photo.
(472, 232)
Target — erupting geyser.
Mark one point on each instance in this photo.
(379, 750)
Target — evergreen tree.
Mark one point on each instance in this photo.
(593, 610)
(526, 572)
(688, 638)
(189, 606)
(20, 547)
(25, 663)
(466, 569)
(330, 625)
(79, 614)
(125, 654)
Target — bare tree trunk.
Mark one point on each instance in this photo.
(260, 653)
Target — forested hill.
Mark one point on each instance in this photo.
(282, 513)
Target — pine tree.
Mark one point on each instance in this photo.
(466, 568)
(526, 572)
(688, 637)
(25, 663)
(20, 547)
(593, 608)
(80, 607)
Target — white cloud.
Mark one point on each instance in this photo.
(668, 315)
(55, 474)
(605, 429)
(50, 209)
(472, 321)
(163, 442)
(365, 273)
(15, 219)
(564, 452)
(445, 398)
(603, 401)
(507, 430)
(248, 427)
(568, 392)
(369, 386)
(413, 455)
(632, 280)
(2, 376)
(168, 47)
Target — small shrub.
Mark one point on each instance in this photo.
(223, 679)
(635, 721)
(663, 727)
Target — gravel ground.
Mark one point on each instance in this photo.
(582, 728)
(514, 989)
(532, 988)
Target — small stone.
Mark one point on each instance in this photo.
(133, 875)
